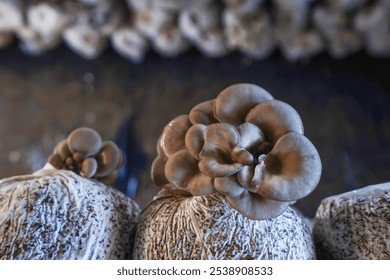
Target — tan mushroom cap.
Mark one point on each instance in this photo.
(194, 140)
(247, 203)
(292, 169)
(250, 136)
(275, 118)
(88, 167)
(158, 165)
(182, 171)
(107, 158)
(173, 135)
(221, 155)
(55, 160)
(62, 149)
(84, 140)
(203, 113)
(234, 102)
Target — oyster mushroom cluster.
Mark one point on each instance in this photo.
(84, 153)
(301, 29)
(245, 145)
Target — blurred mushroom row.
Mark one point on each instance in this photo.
(300, 29)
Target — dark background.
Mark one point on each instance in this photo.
(344, 105)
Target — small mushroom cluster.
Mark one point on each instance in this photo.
(245, 145)
(84, 153)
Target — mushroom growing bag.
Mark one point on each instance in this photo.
(57, 214)
(229, 171)
(354, 225)
(206, 227)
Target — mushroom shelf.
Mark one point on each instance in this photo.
(299, 28)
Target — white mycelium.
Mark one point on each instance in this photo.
(56, 214)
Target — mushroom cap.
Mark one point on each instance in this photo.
(84, 140)
(84, 40)
(158, 165)
(212, 43)
(55, 160)
(250, 136)
(234, 102)
(292, 169)
(107, 158)
(173, 136)
(203, 113)
(169, 41)
(194, 140)
(62, 149)
(249, 204)
(182, 171)
(275, 118)
(158, 172)
(129, 43)
(221, 155)
(88, 167)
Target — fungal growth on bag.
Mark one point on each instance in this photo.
(244, 145)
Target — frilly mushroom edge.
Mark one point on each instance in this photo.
(244, 145)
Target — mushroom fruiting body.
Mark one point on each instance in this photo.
(244, 145)
(84, 153)
(129, 42)
(84, 40)
(47, 19)
(11, 15)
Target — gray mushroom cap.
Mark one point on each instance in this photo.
(234, 102)
(292, 169)
(173, 135)
(84, 140)
(194, 140)
(249, 204)
(221, 155)
(181, 170)
(275, 118)
(107, 158)
(203, 113)
(88, 167)
(158, 165)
